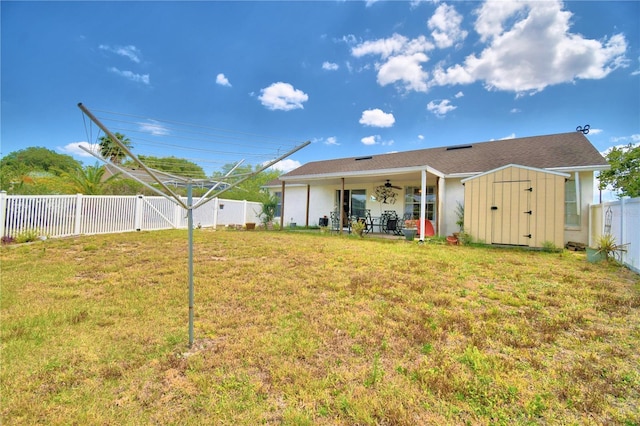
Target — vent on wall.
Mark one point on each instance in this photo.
(451, 148)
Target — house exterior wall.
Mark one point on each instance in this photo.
(452, 194)
(496, 202)
(580, 233)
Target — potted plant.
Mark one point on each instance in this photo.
(358, 226)
(410, 229)
(459, 218)
(268, 211)
(605, 250)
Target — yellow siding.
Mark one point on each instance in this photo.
(506, 189)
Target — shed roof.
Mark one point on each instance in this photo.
(564, 151)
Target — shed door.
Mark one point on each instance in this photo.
(511, 213)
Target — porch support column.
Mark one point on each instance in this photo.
(282, 209)
(308, 198)
(441, 187)
(423, 203)
(341, 206)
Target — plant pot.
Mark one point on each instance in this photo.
(409, 234)
(250, 226)
(595, 255)
(451, 240)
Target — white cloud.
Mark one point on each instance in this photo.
(403, 59)
(331, 140)
(377, 118)
(222, 80)
(282, 96)
(458, 95)
(515, 110)
(286, 165)
(376, 140)
(421, 137)
(445, 24)
(405, 69)
(529, 46)
(511, 136)
(626, 140)
(154, 127)
(370, 140)
(74, 149)
(329, 66)
(130, 75)
(440, 109)
(131, 52)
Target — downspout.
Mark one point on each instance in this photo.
(282, 209)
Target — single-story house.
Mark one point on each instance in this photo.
(555, 172)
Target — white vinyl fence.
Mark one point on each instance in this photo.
(66, 215)
(622, 220)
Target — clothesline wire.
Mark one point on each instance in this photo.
(156, 121)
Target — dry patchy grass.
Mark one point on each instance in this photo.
(295, 328)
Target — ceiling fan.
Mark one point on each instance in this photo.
(387, 184)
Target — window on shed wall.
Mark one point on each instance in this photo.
(571, 208)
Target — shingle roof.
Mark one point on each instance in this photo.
(559, 151)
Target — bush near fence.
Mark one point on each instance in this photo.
(68, 215)
(621, 219)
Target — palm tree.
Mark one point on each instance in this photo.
(111, 150)
(89, 180)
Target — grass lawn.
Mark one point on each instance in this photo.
(308, 329)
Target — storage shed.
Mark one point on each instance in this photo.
(515, 205)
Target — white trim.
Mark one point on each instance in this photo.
(535, 169)
(579, 169)
(367, 173)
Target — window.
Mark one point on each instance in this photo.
(355, 201)
(278, 195)
(571, 207)
(412, 202)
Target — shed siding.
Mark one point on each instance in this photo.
(506, 189)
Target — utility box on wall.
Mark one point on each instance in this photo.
(515, 205)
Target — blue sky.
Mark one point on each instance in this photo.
(354, 78)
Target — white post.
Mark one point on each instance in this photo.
(78, 219)
(216, 206)
(177, 215)
(622, 221)
(137, 216)
(244, 212)
(423, 203)
(3, 211)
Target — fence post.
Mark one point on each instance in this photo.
(137, 216)
(78, 217)
(177, 215)
(622, 221)
(3, 211)
(244, 212)
(216, 203)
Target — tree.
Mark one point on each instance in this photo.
(173, 165)
(624, 174)
(251, 189)
(19, 170)
(89, 180)
(111, 150)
